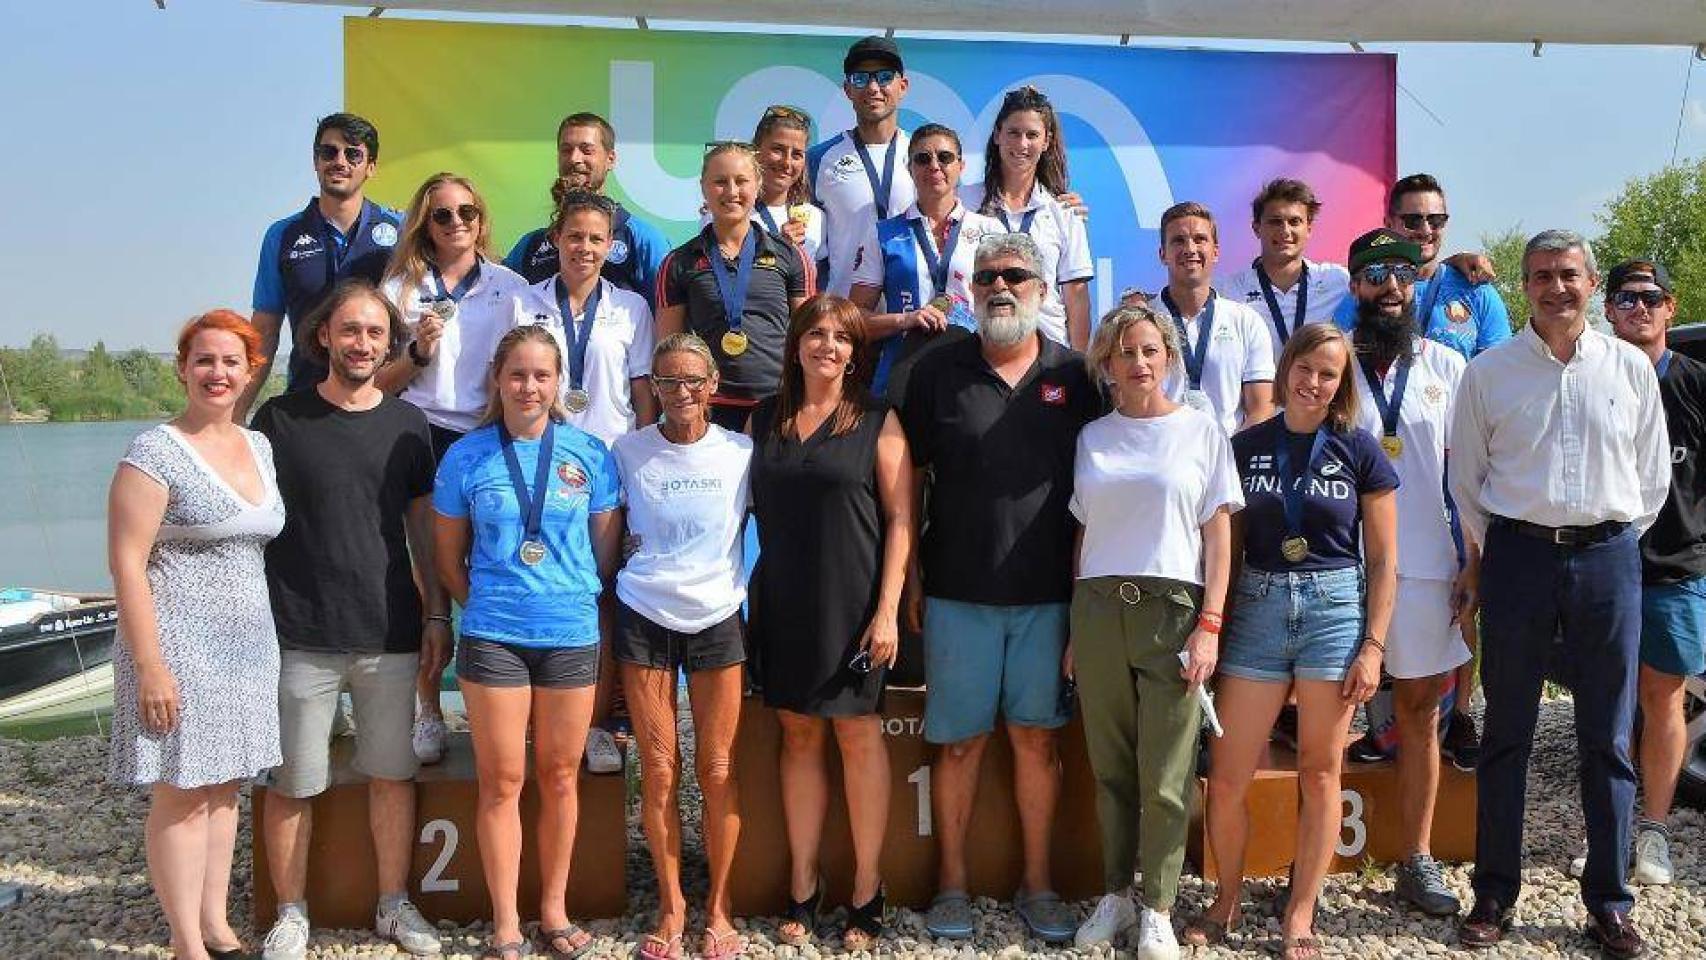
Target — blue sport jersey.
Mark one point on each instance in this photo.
(1464, 316)
(304, 256)
(637, 250)
(553, 604)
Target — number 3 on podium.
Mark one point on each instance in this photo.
(1353, 822)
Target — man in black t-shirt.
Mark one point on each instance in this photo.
(355, 470)
(1641, 303)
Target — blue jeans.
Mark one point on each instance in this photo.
(1589, 600)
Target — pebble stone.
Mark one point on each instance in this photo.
(75, 845)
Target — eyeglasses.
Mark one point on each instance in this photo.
(1626, 299)
(944, 157)
(444, 216)
(859, 79)
(328, 152)
(1376, 274)
(672, 384)
(1414, 221)
(1012, 275)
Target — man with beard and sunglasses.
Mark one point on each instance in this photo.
(339, 234)
(355, 472)
(586, 153)
(1406, 385)
(993, 422)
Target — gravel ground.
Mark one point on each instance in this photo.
(76, 846)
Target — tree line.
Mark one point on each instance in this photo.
(42, 382)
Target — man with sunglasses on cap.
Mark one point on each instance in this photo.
(858, 176)
(586, 153)
(1641, 303)
(338, 235)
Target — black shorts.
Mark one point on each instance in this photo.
(643, 643)
(492, 664)
(442, 438)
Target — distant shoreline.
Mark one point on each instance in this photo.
(42, 416)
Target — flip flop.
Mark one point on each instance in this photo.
(722, 946)
(654, 947)
(499, 951)
(569, 935)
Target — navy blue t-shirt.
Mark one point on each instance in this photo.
(1351, 464)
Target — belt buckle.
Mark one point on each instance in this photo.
(1136, 592)
(1563, 537)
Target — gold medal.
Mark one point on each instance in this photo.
(944, 303)
(799, 213)
(1294, 549)
(1393, 445)
(734, 343)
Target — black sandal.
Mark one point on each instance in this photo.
(867, 921)
(803, 912)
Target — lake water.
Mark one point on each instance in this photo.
(53, 529)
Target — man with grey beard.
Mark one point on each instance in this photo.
(993, 422)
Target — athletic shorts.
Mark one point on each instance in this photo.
(493, 664)
(640, 641)
(382, 691)
(1422, 641)
(1673, 627)
(980, 660)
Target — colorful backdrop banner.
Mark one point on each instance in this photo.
(1144, 127)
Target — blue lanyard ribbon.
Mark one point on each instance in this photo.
(1388, 408)
(1293, 488)
(733, 293)
(461, 289)
(532, 507)
(580, 332)
(1663, 366)
(1024, 221)
(1194, 356)
(937, 265)
(336, 252)
(768, 220)
(1273, 301)
(879, 188)
(1426, 318)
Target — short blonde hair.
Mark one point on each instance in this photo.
(1111, 330)
(1342, 409)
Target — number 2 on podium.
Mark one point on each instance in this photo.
(435, 881)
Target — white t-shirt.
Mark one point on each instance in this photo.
(1329, 283)
(451, 390)
(1425, 546)
(1143, 488)
(1240, 351)
(812, 245)
(1062, 239)
(841, 188)
(620, 350)
(687, 504)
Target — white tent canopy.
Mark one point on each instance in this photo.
(1658, 22)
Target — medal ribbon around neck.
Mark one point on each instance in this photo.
(1273, 300)
(579, 334)
(937, 265)
(1194, 356)
(732, 291)
(532, 507)
(461, 289)
(880, 189)
(1294, 486)
(1388, 409)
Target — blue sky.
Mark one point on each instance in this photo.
(151, 148)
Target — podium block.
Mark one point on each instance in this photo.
(445, 879)
(1369, 797)
(759, 886)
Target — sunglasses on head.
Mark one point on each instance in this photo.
(672, 384)
(328, 152)
(859, 79)
(1012, 275)
(1377, 273)
(786, 112)
(944, 157)
(1414, 221)
(444, 216)
(1626, 299)
(741, 145)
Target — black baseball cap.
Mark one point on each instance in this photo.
(880, 49)
(1649, 271)
(1382, 244)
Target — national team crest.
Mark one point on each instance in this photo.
(1457, 311)
(384, 235)
(573, 477)
(1054, 394)
(618, 252)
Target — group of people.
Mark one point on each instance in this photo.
(898, 380)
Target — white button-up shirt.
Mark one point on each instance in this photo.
(1559, 444)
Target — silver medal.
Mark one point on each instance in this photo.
(1198, 400)
(576, 400)
(444, 307)
(532, 551)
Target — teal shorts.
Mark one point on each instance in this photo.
(981, 659)
(1673, 627)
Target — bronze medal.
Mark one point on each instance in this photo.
(1294, 549)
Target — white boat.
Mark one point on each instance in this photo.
(55, 654)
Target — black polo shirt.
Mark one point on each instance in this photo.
(997, 529)
(1674, 548)
(778, 274)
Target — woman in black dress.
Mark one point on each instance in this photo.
(832, 491)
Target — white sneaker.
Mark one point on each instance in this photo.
(1652, 859)
(602, 754)
(405, 927)
(428, 738)
(1155, 940)
(1579, 865)
(288, 938)
(1115, 914)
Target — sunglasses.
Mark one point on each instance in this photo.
(861, 662)
(944, 157)
(1414, 221)
(328, 153)
(786, 112)
(672, 384)
(444, 216)
(1378, 273)
(1012, 275)
(1626, 299)
(741, 145)
(859, 79)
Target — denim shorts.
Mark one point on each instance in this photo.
(981, 659)
(1673, 627)
(1285, 626)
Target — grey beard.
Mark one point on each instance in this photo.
(1005, 331)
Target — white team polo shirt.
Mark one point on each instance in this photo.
(811, 246)
(1329, 283)
(1061, 238)
(618, 351)
(842, 189)
(1426, 550)
(451, 390)
(1239, 351)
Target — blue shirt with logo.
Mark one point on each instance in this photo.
(1466, 317)
(1351, 464)
(637, 250)
(552, 604)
